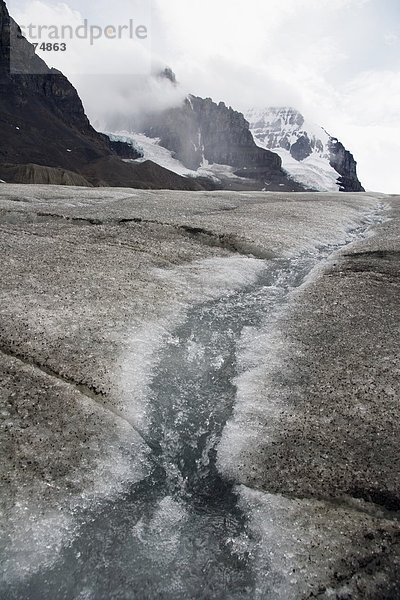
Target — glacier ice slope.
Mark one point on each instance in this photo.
(95, 282)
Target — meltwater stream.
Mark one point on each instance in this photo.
(179, 534)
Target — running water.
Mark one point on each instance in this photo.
(180, 533)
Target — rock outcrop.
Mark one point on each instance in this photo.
(41, 116)
(201, 132)
(39, 174)
(343, 162)
(122, 149)
(43, 122)
(144, 175)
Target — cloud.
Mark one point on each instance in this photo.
(116, 103)
(377, 151)
(392, 39)
(95, 43)
(373, 97)
(335, 60)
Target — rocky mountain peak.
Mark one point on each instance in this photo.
(168, 74)
(309, 154)
(276, 118)
(201, 132)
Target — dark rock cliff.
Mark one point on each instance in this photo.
(43, 122)
(122, 149)
(41, 116)
(201, 131)
(302, 148)
(339, 158)
(343, 162)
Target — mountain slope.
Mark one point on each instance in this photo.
(41, 116)
(42, 121)
(309, 154)
(201, 133)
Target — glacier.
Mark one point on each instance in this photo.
(152, 326)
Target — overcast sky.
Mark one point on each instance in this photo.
(338, 61)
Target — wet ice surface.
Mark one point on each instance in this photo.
(181, 532)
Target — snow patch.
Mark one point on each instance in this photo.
(151, 150)
(126, 138)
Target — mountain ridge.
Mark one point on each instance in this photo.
(43, 124)
(317, 153)
(201, 132)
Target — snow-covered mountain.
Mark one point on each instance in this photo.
(309, 154)
(201, 132)
(210, 142)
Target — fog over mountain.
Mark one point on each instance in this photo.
(312, 55)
